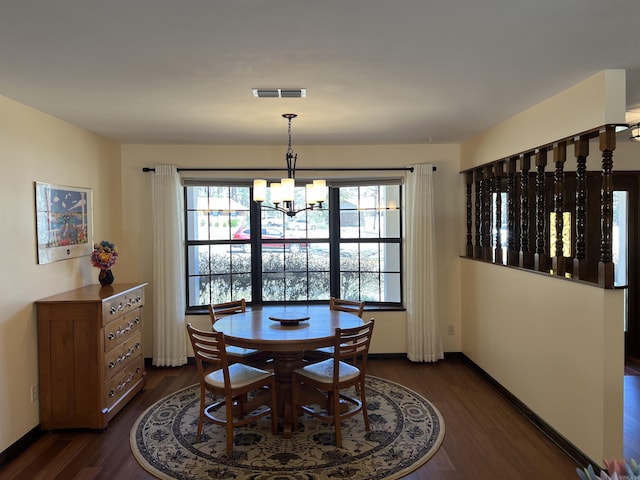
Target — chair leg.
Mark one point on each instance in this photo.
(274, 409)
(336, 418)
(229, 426)
(201, 419)
(363, 399)
(294, 402)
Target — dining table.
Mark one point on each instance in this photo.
(287, 332)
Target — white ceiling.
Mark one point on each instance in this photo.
(376, 71)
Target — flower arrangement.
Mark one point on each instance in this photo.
(616, 470)
(104, 255)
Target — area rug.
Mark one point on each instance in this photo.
(406, 430)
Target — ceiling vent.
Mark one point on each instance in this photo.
(279, 92)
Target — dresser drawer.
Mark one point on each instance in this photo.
(123, 355)
(121, 304)
(122, 328)
(121, 383)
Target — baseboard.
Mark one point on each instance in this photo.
(558, 439)
(20, 446)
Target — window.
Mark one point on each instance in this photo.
(350, 249)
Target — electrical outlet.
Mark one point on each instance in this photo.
(452, 330)
(34, 393)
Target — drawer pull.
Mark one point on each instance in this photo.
(111, 336)
(112, 364)
(111, 393)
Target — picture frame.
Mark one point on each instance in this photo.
(64, 221)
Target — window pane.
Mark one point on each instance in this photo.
(391, 291)
(318, 257)
(350, 286)
(620, 240)
(295, 286)
(390, 257)
(566, 234)
(349, 257)
(273, 286)
(369, 257)
(198, 260)
(319, 287)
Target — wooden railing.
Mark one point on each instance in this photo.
(530, 198)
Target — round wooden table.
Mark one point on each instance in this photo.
(287, 331)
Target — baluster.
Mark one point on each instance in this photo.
(512, 249)
(497, 187)
(559, 261)
(540, 257)
(526, 256)
(477, 175)
(469, 180)
(605, 265)
(581, 151)
(486, 210)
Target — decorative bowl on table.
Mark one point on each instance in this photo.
(289, 318)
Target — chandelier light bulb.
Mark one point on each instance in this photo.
(259, 190)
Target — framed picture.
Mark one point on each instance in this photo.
(64, 222)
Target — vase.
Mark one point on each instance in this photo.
(105, 277)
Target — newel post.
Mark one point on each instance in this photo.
(513, 256)
(541, 263)
(559, 261)
(477, 249)
(499, 173)
(581, 151)
(487, 192)
(605, 266)
(469, 181)
(526, 255)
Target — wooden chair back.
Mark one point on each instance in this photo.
(352, 345)
(351, 306)
(219, 310)
(209, 351)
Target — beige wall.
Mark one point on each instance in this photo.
(37, 147)
(558, 346)
(596, 101)
(390, 335)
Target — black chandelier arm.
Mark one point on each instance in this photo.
(290, 212)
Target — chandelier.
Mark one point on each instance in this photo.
(282, 193)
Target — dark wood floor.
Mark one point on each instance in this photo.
(485, 437)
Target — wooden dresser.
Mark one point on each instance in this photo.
(90, 354)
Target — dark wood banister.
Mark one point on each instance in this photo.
(485, 180)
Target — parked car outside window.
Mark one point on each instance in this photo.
(268, 234)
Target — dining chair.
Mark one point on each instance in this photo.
(236, 354)
(336, 374)
(351, 306)
(232, 382)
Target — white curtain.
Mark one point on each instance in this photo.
(169, 330)
(423, 337)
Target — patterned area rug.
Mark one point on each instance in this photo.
(406, 430)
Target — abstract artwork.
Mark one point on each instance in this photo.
(63, 222)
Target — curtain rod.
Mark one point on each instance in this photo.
(408, 169)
